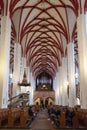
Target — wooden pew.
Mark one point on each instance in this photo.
(82, 117)
(3, 116)
(13, 116)
(75, 120)
(24, 117)
(62, 119)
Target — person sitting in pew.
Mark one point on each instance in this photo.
(31, 114)
(53, 116)
(58, 112)
(69, 115)
(56, 117)
(52, 112)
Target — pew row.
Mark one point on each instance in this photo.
(13, 116)
(82, 117)
(24, 118)
(3, 116)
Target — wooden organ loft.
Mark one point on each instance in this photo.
(44, 89)
(44, 82)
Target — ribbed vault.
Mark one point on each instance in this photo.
(43, 28)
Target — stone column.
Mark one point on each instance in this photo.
(29, 81)
(16, 73)
(71, 75)
(60, 85)
(57, 89)
(0, 33)
(4, 60)
(64, 82)
(32, 88)
(23, 67)
(82, 52)
(86, 22)
(28, 75)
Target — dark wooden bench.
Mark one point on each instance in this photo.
(62, 119)
(13, 116)
(82, 117)
(75, 120)
(3, 117)
(24, 117)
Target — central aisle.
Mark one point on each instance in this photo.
(41, 122)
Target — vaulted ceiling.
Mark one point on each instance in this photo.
(43, 28)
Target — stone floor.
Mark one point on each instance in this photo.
(42, 122)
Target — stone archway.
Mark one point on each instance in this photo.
(44, 95)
